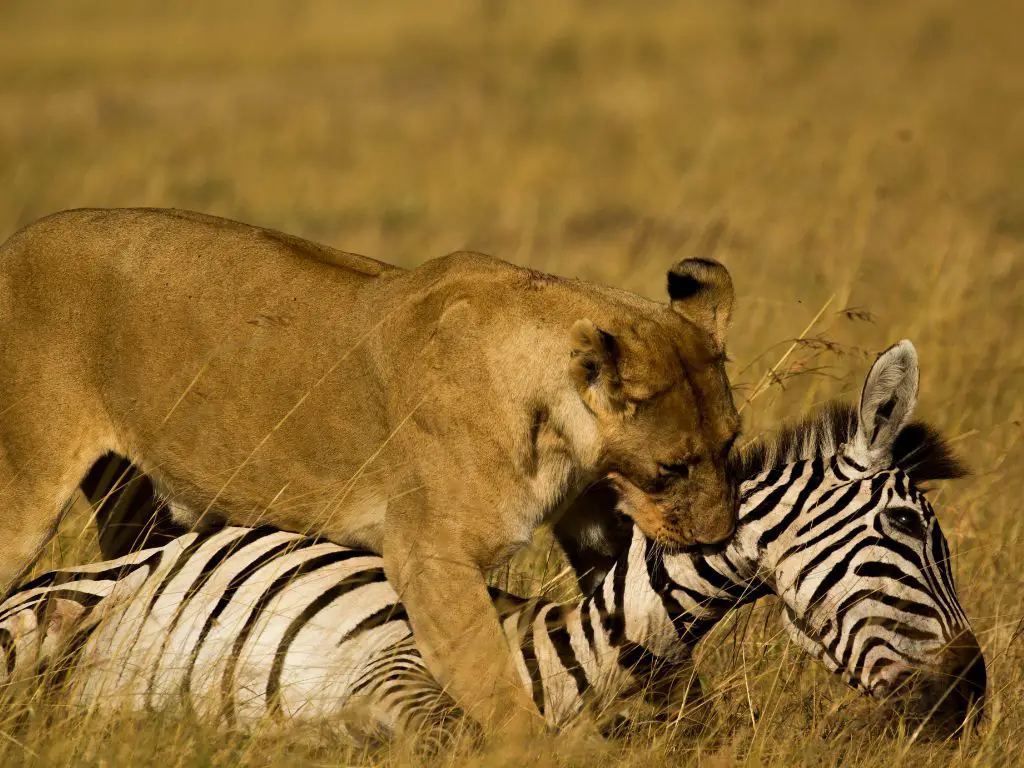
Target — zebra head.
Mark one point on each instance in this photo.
(842, 533)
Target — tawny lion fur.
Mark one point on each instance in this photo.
(436, 416)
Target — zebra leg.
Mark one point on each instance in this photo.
(671, 695)
(681, 700)
(129, 513)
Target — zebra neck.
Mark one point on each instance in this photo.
(774, 516)
(707, 583)
(695, 589)
(698, 587)
(653, 608)
(637, 627)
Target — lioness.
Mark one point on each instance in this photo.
(436, 416)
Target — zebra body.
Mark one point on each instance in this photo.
(242, 624)
(246, 623)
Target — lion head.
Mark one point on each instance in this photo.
(664, 409)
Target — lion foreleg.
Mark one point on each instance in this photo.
(456, 626)
(34, 496)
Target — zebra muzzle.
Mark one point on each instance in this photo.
(951, 701)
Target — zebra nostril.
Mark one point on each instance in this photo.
(965, 659)
(975, 681)
(958, 696)
(972, 678)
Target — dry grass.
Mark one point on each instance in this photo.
(864, 157)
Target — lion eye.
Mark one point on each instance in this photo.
(679, 470)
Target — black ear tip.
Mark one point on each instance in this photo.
(682, 286)
(699, 262)
(692, 276)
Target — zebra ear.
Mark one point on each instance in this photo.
(886, 404)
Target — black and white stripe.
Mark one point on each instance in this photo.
(245, 624)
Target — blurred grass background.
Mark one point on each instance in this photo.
(855, 164)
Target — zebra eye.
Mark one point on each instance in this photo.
(905, 520)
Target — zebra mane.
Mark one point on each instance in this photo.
(919, 450)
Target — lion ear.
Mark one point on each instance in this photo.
(701, 291)
(594, 367)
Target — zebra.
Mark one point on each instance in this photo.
(250, 624)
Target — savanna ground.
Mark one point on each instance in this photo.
(859, 166)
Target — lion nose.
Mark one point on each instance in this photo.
(719, 527)
(721, 516)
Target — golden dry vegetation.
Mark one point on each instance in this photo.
(859, 166)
